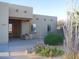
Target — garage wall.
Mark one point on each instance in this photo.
(4, 13)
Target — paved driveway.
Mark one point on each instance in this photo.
(19, 45)
(17, 48)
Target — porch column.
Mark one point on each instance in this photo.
(30, 23)
(4, 14)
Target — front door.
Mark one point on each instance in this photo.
(15, 30)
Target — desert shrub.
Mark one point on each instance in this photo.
(38, 48)
(53, 39)
(46, 51)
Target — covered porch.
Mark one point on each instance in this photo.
(19, 27)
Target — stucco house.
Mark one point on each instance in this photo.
(17, 20)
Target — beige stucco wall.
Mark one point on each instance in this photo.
(42, 24)
(4, 15)
(19, 11)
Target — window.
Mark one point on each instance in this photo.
(17, 10)
(10, 28)
(33, 28)
(44, 19)
(37, 18)
(25, 11)
(49, 28)
(51, 19)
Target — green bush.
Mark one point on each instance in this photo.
(46, 51)
(53, 39)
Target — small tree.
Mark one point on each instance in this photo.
(71, 32)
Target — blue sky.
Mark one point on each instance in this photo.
(45, 7)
